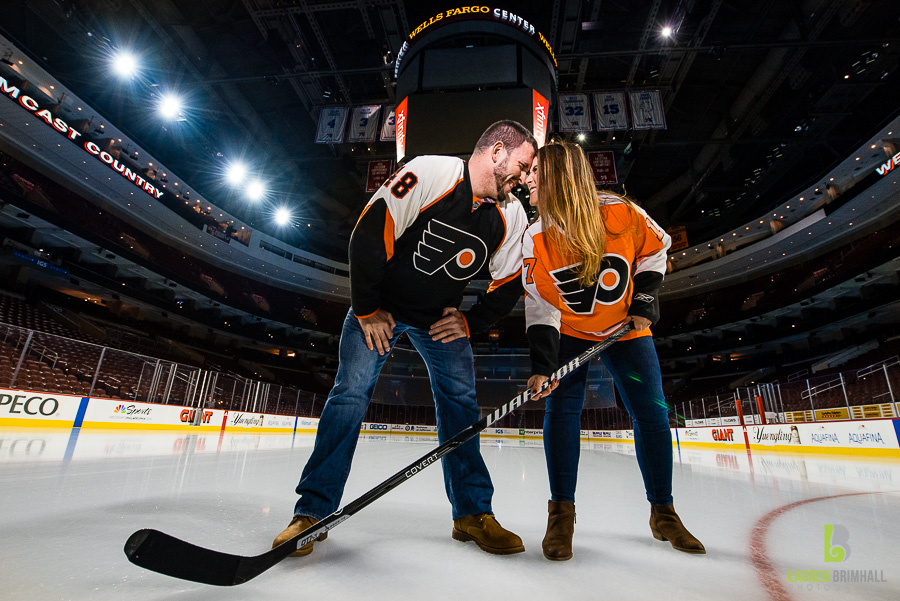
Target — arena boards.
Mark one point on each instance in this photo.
(25, 409)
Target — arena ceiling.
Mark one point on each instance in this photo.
(761, 97)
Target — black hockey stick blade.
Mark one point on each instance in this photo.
(165, 554)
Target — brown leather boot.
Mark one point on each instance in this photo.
(557, 543)
(298, 525)
(666, 525)
(487, 533)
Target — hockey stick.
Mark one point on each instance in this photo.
(160, 552)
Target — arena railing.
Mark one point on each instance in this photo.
(867, 393)
(42, 362)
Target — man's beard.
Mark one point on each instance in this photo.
(501, 177)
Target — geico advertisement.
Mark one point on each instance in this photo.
(375, 427)
(16, 404)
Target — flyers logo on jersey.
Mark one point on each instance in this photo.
(609, 289)
(445, 247)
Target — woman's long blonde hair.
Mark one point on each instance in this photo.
(568, 199)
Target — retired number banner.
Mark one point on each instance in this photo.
(647, 110)
(678, 233)
(364, 123)
(603, 166)
(378, 173)
(574, 112)
(389, 127)
(332, 120)
(610, 111)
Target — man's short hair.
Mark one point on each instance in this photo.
(512, 133)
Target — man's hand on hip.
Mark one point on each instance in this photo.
(378, 330)
(450, 327)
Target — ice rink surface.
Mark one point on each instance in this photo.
(70, 500)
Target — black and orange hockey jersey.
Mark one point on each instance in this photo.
(555, 302)
(423, 236)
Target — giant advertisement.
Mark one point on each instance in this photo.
(109, 413)
(727, 435)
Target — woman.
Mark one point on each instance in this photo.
(591, 264)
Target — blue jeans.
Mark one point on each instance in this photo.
(635, 370)
(451, 368)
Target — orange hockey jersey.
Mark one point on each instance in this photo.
(633, 269)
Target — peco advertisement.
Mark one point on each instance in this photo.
(23, 408)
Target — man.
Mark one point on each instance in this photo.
(423, 236)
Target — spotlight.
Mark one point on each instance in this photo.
(236, 173)
(256, 190)
(124, 64)
(581, 137)
(282, 216)
(666, 31)
(170, 106)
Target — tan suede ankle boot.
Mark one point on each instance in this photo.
(486, 532)
(298, 524)
(666, 525)
(557, 543)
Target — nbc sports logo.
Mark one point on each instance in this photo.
(119, 409)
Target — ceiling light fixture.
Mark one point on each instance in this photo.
(124, 64)
(256, 190)
(170, 107)
(236, 173)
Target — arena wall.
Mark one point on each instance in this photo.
(25, 409)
